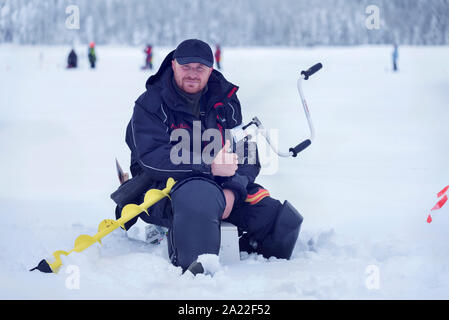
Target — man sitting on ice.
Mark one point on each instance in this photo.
(186, 94)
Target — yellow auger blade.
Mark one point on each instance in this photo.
(106, 226)
(58, 262)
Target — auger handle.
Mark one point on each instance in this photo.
(306, 143)
(300, 147)
(306, 74)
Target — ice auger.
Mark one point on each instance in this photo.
(239, 132)
(107, 226)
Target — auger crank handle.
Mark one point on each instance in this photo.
(300, 147)
(313, 69)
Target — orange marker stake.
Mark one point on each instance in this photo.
(442, 191)
(440, 203)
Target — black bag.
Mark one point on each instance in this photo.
(132, 188)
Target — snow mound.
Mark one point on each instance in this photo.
(210, 262)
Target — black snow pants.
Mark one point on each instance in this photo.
(193, 216)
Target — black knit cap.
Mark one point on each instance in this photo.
(194, 51)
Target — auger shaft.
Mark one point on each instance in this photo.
(129, 212)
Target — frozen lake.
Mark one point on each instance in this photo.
(365, 187)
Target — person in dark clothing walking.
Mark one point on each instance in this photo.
(187, 99)
(72, 60)
(92, 55)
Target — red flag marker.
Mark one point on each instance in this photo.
(440, 203)
(442, 191)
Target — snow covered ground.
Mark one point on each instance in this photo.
(365, 187)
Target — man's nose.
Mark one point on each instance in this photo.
(192, 75)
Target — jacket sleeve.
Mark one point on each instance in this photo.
(249, 165)
(152, 145)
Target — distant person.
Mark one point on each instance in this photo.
(218, 56)
(92, 55)
(395, 57)
(149, 57)
(72, 60)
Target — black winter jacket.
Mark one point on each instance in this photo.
(160, 110)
